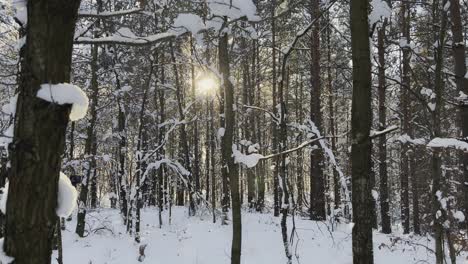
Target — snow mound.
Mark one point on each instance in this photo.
(66, 196)
(4, 198)
(65, 93)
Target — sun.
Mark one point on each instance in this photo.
(206, 86)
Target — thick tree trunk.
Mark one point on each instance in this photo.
(361, 121)
(36, 160)
(462, 86)
(382, 146)
(317, 181)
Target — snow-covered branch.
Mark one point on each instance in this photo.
(129, 41)
(107, 14)
(374, 134)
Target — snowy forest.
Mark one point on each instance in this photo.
(233, 131)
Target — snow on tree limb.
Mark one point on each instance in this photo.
(374, 134)
(93, 14)
(129, 41)
(448, 143)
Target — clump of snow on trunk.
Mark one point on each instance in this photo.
(66, 196)
(65, 93)
(4, 198)
(3, 257)
(250, 160)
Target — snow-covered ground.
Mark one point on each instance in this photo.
(197, 240)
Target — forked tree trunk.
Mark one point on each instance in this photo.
(36, 159)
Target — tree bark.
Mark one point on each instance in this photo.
(226, 147)
(382, 146)
(36, 160)
(317, 181)
(458, 48)
(405, 119)
(361, 121)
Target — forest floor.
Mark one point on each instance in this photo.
(197, 240)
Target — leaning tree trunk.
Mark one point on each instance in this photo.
(361, 121)
(36, 159)
(226, 148)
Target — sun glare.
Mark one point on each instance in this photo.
(206, 86)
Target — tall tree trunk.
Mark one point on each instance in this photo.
(226, 147)
(122, 153)
(438, 213)
(317, 181)
(405, 118)
(331, 109)
(36, 160)
(361, 121)
(458, 47)
(183, 136)
(382, 146)
(276, 189)
(196, 144)
(141, 149)
(90, 148)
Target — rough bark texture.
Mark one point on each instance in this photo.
(36, 159)
(317, 181)
(361, 120)
(462, 86)
(382, 146)
(437, 210)
(226, 148)
(405, 119)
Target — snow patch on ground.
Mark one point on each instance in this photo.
(65, 93)
(196, 240)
